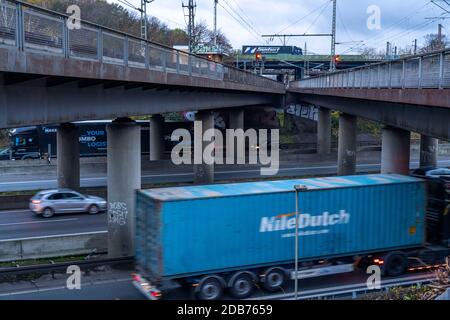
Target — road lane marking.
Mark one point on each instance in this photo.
(57, 235)
(87, 284)
(414, 163)
(36, 222)
(16, 211)
(189, 174)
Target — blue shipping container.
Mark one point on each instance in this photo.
(184, 231)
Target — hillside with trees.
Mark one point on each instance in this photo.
(115, 16)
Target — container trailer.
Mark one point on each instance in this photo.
(233, 236)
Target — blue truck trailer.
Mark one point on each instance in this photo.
(232, 236)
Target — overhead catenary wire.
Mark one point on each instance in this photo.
(400, 34)
(392, 27)
(251, 31)
(243, 20)
(388, 31)
(247, 17)
(326, 3)
(317, 18)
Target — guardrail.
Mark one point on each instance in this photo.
(62, 266)
(35, 29)
(431, 70)
(53, 246)
(350, 291)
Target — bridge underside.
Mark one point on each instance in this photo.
(46, 100)
(428, 120)
(39, 88)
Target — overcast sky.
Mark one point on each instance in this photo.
(401, 21)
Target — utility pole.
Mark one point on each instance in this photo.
(191, 23)
(306, 60)
(333, 37)
(143, 11)
(440, 35)
(415, 46)
(215, 22)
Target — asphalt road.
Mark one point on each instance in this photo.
(24, 224)
(35, 182)
(122, 289)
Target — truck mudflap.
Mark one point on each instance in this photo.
(323, 271)
(150, 291)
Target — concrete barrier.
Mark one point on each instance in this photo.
(53, 246)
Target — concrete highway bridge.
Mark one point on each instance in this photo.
(53, 74)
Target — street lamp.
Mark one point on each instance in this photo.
(298, 188)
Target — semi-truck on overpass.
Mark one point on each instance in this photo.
(36, 142)
(238, 236)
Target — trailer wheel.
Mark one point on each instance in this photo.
(274, 279)
(210, 288)
(395, 263)
(241, 285)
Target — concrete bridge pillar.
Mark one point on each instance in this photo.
(124, 178)
(237, 122)
(347, 145)
(395, 151)
(237, 118)
(156, 137)
(428, 151)
(68, 156)
(203, 173)
(324, 132)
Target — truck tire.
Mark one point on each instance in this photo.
(210, 288)
(274, 279)
(395, 264)
(241, 285)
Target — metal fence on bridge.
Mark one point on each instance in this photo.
(431, 70)
(31, 28)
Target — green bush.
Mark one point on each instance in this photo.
(4, 139)
(364, 126)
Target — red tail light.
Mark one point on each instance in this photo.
(36, 201)
(156, 294)
(136, 278)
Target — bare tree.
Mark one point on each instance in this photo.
(433, 43)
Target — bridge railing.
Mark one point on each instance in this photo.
(431, 70)
(31, 28)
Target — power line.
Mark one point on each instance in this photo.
(128, 4)
(343, 25)
(246, 16)
(240, 23)
(388, 30)
(326, 3)
(396, 36)
(317, 18)
(241, 18)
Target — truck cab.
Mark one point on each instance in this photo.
(438, 203)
